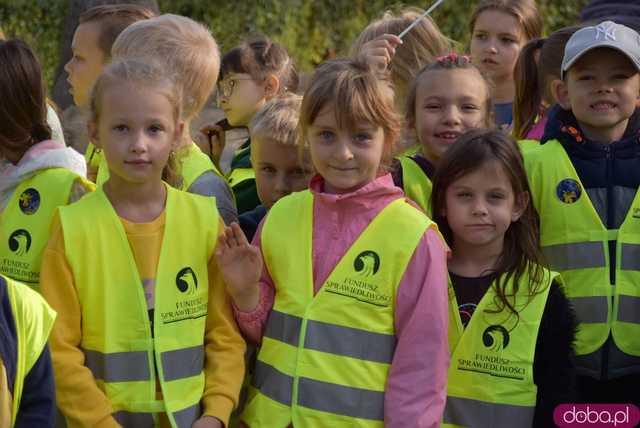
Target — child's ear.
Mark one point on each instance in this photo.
(271, 86)
(560, 93)
(92, 129)
(520, 206)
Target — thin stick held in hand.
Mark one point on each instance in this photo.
(414, 23)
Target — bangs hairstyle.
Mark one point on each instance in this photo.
(260, 57)
(278, 120)
(112, 19)
(521, 252)
(141, 75)
(357, 95)
(183, 46)
(524, 11)
(419, 47)
(452, 61)
(533, 77)
(23, 113)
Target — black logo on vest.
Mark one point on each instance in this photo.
(20, 242)
(362, 286)
(367, 263)
(186, 281)
(29, 201)
(492, 360)
(191, 302)
(495, 337)
(569, 191)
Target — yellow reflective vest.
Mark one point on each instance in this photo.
(25, 222)
(117, 340)
(33, 321)
(490, 380)
(417, 186)
(192, 163)
(324, 359)
(575, 243)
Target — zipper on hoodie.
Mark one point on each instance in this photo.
(604, 374)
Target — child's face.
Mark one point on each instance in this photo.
(240, 97)
(481, 205)
(495, 44)
(602, 90)
(136, 130)
(278, 170)
(346, 159)
(86, 64)
(448, 103)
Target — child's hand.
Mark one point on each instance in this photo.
(207, 422)
(380, 51)
(241, 267)
(211, 141)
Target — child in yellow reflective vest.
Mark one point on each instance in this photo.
(146, 334)
(350, 307)
(37, 174)
(511, 327)
(447, 98)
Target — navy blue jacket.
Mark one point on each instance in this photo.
(38, 403)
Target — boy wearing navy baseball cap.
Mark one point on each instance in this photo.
(584, 180)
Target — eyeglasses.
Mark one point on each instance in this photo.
(226, 87)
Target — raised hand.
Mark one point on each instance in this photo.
(380, 51)
(241, 267)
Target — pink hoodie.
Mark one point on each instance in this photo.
(416, 387)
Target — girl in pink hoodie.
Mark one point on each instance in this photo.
(345, 285)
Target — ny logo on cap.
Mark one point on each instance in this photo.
(606, 30)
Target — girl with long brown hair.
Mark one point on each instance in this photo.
(511, 327)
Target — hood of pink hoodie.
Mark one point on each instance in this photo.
(339, 219)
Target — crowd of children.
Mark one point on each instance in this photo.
(414, 237)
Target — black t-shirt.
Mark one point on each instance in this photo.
(469, 292)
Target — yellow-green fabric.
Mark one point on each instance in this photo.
(526, 145)
(417, 186)
(24, 223)
(193, 163)
(324, 359)
(117, 339)
(576, 244)
(490, 380)
(33, 320)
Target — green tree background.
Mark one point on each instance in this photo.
(310, 29)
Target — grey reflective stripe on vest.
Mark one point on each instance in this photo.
(327, 397)
(630, 258)
(118, 366)
(350, 342)
(331, 338)
(283, 327)
(577, 255)
(134, 420)
(186, 417)
(629, 309)
(341, 400)
(474, 413)
(593, 309)
(182, 363)
(272, 383)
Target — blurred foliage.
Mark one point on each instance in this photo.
(311, 30)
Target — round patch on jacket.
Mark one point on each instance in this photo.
(29, 201)
(568, 191)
